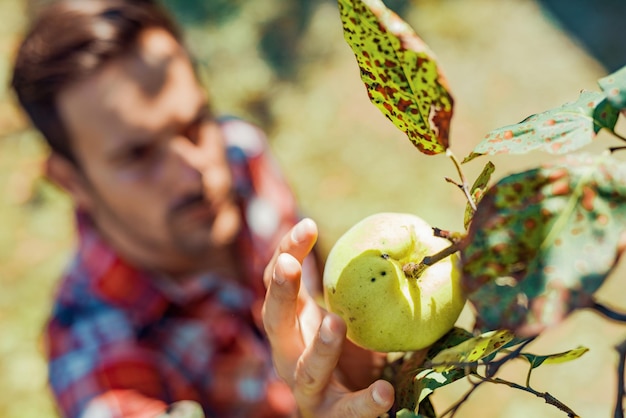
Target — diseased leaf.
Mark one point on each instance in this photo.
(557, 131)
(414, 382)
(399, 72)
(452, 338)
(542, 241)
(428, 380)
(477, 191)
(614, 86)
(471, 350)
(537, 360)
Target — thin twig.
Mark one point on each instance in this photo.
(453, 237)
(530, 371)
(451, 181)
(452, 410)
(618, 135)
(494, 366)
(619, 407)
(464, 185)
(550, 400)
(609, 312)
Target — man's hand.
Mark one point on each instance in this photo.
(307, 341)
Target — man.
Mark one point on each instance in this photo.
(178, 214)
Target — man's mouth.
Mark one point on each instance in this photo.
(193, 208)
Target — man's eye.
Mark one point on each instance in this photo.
(193, 133)
(139, 153)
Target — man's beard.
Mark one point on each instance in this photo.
(194, 239)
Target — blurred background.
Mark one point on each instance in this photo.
(284, 65)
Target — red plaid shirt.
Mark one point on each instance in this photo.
(123, 342)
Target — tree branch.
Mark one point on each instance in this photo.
(463, 185)
(619, 408)
(452, 410)
(609, 312)
(453, 237)
(549, 399)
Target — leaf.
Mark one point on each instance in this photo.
(537, 360)
(428, 380)
(414, 382)
(399, 72)
(471, 350)
(542, 241)
(452, 338)
(407, 413)
(477, 191)
(556, 131)
(614, 86)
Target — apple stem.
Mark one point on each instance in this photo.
(415, 270)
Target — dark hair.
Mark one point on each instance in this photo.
(70, 40)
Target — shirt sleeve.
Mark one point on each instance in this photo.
(271, 207)
(96, 369)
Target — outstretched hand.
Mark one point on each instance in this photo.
(307, 341)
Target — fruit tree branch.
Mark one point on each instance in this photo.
(619, 408)
(609, 313)
(550, 400)
(463, 185)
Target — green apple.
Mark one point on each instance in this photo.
(386, 309)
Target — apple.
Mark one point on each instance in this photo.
(385, 308)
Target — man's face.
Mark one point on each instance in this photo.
(152, 164)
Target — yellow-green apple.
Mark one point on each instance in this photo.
(367, 281)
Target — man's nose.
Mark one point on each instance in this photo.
(185, 164)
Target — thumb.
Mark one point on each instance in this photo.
(371, 402)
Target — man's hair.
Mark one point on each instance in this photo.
(70, 40)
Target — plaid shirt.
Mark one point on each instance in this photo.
(123, 342)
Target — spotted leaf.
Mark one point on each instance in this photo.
(543, 241)
(536, 360)
(471, 350)
(614, 86)
(477, 190)
(556, 131)
(414, 383)
(399, 72)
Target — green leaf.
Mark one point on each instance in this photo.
(471, 350)
(428, 380)
(407, 413)
(399, 72)
(542, 241)
(614, 86)
(452, 338)
(557, 131)
(414, 382)
(477, 191)
(537, 360)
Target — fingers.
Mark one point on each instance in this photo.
(314, 385)
(280, 315)
(315, 367)
(372, 402)
(298, 242)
